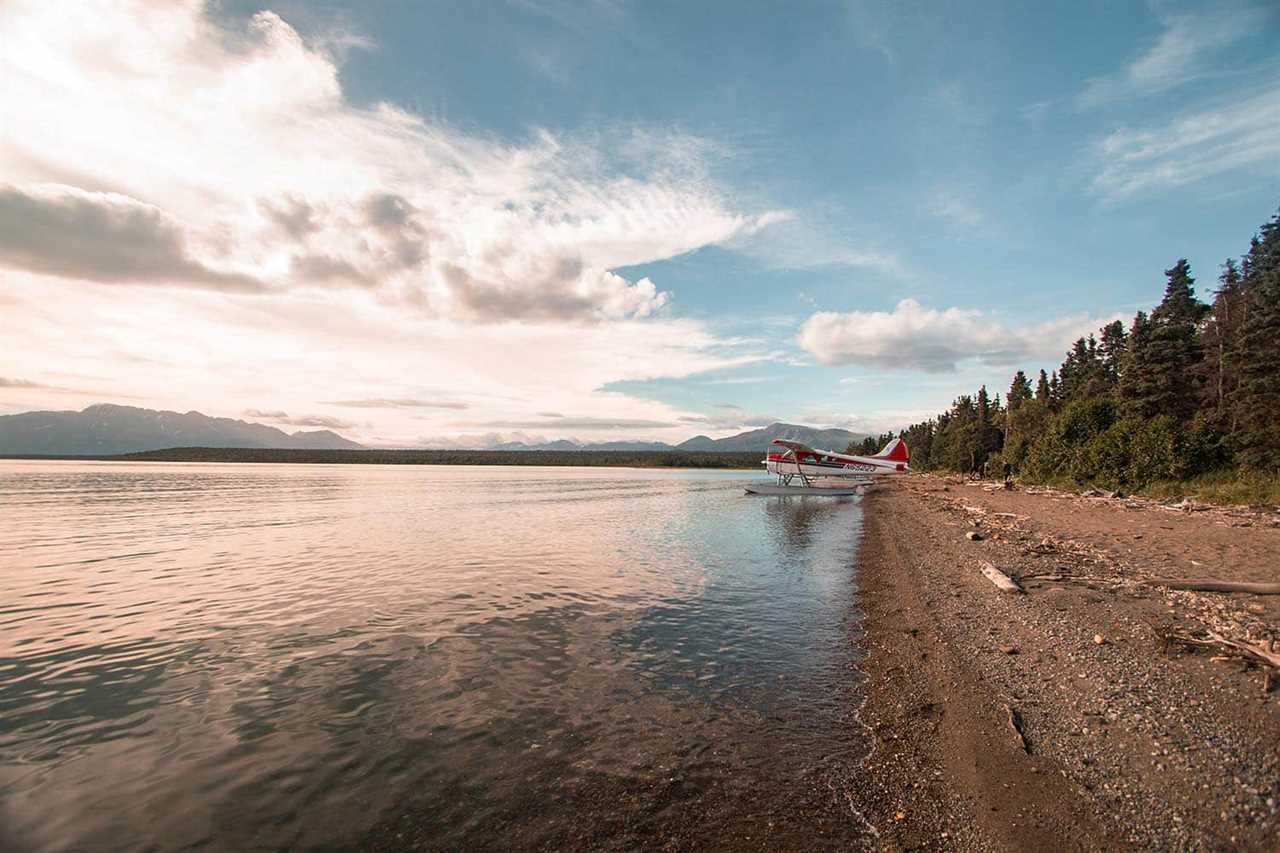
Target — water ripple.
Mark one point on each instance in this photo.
(242, 657)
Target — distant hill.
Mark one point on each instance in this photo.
(755, 441)
(758, 439)
(105, 429)
(565, 444)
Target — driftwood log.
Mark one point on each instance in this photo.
(1260, 651)
(1002, 581)
(1211, 585)
(1015, 724)
(1192, 584)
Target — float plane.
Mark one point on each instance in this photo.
(799, 460)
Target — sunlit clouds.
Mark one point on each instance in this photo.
(300, 253)
(154, 146)
(913, 337)
(466, 223)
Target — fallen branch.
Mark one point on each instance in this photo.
(1015, 724)
(1260, 651)
(1210, 585)
(1002, 581)
(1084, 579)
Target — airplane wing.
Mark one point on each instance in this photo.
(793, 446)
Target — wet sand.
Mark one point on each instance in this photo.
(1131, 743)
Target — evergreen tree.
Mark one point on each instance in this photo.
(1165, 361)
(1134, 376)
(1074, 367)
(1257, 353)
(1111, 349)
(1020, 390)
(1174, 351)
(1159, 400)
(1042, 388)
(1221, 340)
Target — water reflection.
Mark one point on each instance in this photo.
(240, 657)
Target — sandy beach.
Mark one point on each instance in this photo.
(1131, 741)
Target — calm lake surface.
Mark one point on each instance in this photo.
(242, 657)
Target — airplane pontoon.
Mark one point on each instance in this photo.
(810, 465)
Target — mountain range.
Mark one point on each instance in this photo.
(107, 430)
(753, 441)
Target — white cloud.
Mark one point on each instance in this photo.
(1192, 147)
(186, 154)
(1183, 52)
(106, 237)
(729, 419)
(912, 337)
(577, 423)
(871, 422)
(803, 243)
(284, 418)
(333, 353)
(399, 403)
(306, 254)
(954, 208)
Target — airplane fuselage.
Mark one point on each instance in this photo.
(824, 463)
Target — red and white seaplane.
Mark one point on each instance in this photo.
(799, 460)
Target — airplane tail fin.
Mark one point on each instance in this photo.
(895, 451)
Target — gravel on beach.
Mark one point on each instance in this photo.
(1064, 717)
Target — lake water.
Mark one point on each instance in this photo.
(245, 657)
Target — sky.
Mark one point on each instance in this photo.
(439, 224)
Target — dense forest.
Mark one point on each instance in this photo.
(1189, 390)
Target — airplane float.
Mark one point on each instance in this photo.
(799, 460)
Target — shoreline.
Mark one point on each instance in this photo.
(1128, 746)
(671, 459)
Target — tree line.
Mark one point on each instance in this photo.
(1191, 387)
(593, 458)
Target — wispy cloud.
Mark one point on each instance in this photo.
(285, 419)
(8, 382)
(258, 173)
(873, 421)
(1194, 146)
(739, 380)
(954, 208)
(1185, 51)
(913, 337)
(575, 423)
(732, 418)
(871, 22)
(398, 403)
(797, 242)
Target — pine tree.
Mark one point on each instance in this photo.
(1074, 367)
(1042, 387)
(1135, 378)
(1221, 340)
(1170, 356)
(1111, 349)
(1020, 394)
(1257, 352)
(1019, 390)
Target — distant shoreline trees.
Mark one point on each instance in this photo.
(1189, 389)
